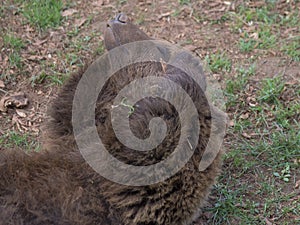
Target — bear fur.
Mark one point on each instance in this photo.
(57, 186)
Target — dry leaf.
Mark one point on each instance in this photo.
(17, 100)
(244, 116)
(21, 113)
(2, 106)
(15, 120)
(251, 101)
(291, 82)
(297, 161)
(254, 36)
(297, 184)
(191, 47)
(40, 42)
(246, 135)
(69, 12)
(268, 222)
(98, 3)
(80, 22)
(257, 4)
(164, 15)
(36, 57)
(231, 123)
(2, 85)
(252, 104)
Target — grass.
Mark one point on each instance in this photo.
(285, 174)
(283, 115)
(235, 204)
(1, 11)
(234, 85)
(140, 20)
(52, 75)
(263, 162)
(293, 49)
(184, 2)
(15, 60)
(290, 20)
(14, 139)
(280, 146)
(266, 35)
(261, 168)
(263, 39)
(121, 2)
(260, 15)
(43, 13)
(246, 44)
(71, 59)
(13, 45)
(218, 62)
(10, 41)
(100, 49)
(270, 90)
(39, 78)
(247, 201)
(266, 38)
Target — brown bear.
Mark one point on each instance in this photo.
(57, 186)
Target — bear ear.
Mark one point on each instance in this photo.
(191, 65)
(165, 52)
(122, 18)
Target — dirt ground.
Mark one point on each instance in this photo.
(203, 27)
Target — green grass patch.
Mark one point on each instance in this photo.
(238, 159)
(247, 45)
(13, 45)
(271, 162)
(290, 20)
(56, 77)
(100, 49)
(10, 41)
(43, 13)
(278, 149)
(233, 205)
(222, 19)
(15, 59)
(1, 11)
(13, 139)
(265, 40)
(293, 49)
(38, 79)
(262, 166)
(121, 2)
(271, 89)
(55, 74)
(184, 2)
(225, 208)
(140, 20)
(218, 62)
(237, 84)
(259, 15)
(284, 116)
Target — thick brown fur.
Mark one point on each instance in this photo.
(56, 186)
